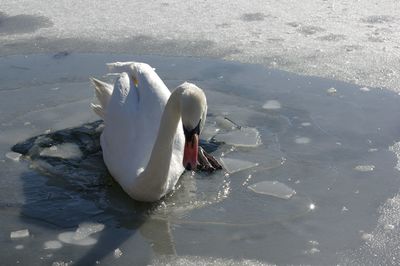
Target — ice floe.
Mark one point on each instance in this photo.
(52, 244)
(19, 234)
(82, 236)
(365, 168)
(117, 253)
(14, 156)
(273, 188)
(235, 165)
(243, 137)
(302, 140)
(272, 105)
(64, 151)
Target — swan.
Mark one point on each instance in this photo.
(150, 135)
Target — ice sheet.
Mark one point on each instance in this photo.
(324, 38)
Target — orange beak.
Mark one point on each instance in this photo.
(190, 152)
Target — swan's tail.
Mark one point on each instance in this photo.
(103, 93)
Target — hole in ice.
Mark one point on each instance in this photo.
(272, 105)
(64, 151)
(81, 236)
(273, 188)
(243, 137)
(235, 165)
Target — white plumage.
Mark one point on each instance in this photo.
(142, 155)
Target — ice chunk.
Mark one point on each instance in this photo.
(86, 229)
(61, 263)
(64, 151)
(243, 137)
(396, 150)
(236, 165)
(367, 237)
(19, 247)
(388, 227)
(70, 238)
(52, 244)
(302, 140)
(331, 91)
(19, 234)
(272, 105)
(365, 168)
(306, 124)
(364, 89)
(15, 156)
(81, 236)
(312, 251)
(117, 253)
(273, 188)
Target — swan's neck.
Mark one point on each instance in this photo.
(154, 179)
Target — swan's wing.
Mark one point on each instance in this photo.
(121, 119)
(103, 93)
(203, 119)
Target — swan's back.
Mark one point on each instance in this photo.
(132, 118)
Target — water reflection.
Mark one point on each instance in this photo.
(78, 192)
(332, 150)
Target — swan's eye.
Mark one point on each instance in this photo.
(135, 80)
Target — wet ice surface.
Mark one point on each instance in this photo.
(316, 145)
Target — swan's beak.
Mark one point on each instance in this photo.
(190, 152)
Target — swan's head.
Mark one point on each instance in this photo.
(193, 113)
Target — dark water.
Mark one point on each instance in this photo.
(334, 149)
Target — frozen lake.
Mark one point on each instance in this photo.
(312, 170)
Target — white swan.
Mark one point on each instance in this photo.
(146, 126)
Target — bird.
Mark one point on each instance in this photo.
(150, 135)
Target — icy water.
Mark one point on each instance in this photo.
(311, 171)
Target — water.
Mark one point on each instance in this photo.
(332, 158)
